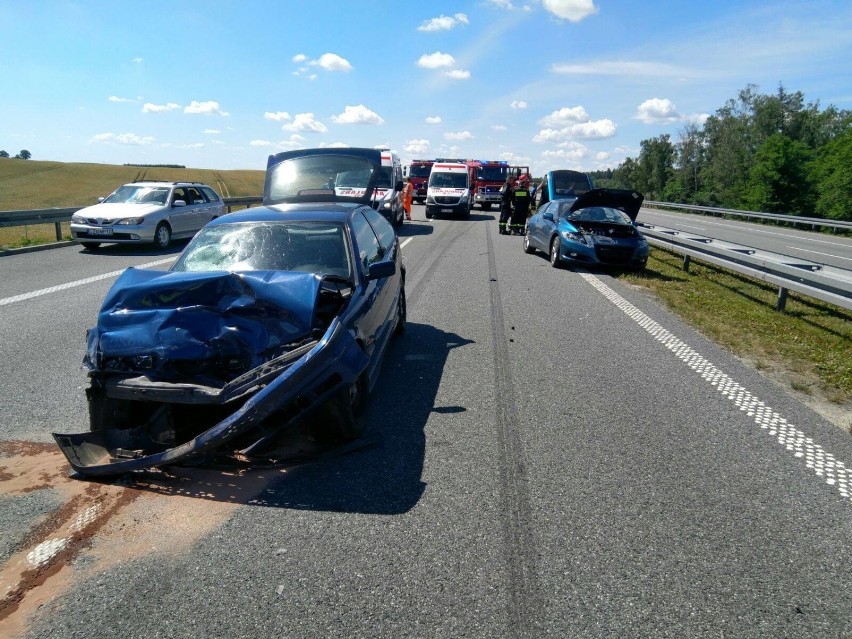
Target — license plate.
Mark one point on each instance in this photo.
(446, 210)
(99, 231)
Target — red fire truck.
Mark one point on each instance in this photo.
(489, 176)
(419, 171)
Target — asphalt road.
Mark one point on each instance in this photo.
(822, 248)
(548, 453)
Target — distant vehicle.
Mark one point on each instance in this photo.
(271, 317)
(148, 212)
(388, 197)
(488, 177)
(562, 184)
(419, 171)
(449, 189)
(596, 228)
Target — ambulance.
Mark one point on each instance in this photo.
(449, 190)
(387, 198)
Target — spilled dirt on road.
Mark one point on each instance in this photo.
(108, 523)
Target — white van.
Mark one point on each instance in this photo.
(388, 200)
(448, 190)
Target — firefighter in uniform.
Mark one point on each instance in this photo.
(521, 206)
(507, 192)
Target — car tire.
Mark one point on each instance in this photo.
(92, 246)
(401, 313)
(486, 206)
(343, 418)
(529, 249)
(555, 260)
(162, 236)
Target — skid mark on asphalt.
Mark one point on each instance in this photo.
(526, 609)
(67, 285)
(821, 462)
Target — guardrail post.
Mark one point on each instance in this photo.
(58, 226)
(781, 304)
(686, 262)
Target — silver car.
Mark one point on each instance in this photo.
(147, 212)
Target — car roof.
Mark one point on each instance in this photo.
(300, 212)
(164, 183)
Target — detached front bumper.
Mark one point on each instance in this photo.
(334, 363)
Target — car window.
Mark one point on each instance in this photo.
(210, 193)
(383, 229)
(369, 249)
(179, 194)
(309, 247)
(194, 195)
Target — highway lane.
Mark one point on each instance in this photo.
(822, 248)
(549, 453)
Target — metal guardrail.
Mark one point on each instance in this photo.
(826, 283)
(776, 217)
(59, 215)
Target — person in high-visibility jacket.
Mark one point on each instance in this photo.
(407, 198)
(520, 206)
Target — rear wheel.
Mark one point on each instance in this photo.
(162, 236)
(92, 246)
(401, 313)
(529, 249)
(486, 206)
(555, 260)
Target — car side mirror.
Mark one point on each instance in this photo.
(398, 186)
(101, 199)
(381, 270)
(179, 203)
(548, 216)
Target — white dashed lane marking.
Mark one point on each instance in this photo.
(823, 464)
(88, 280)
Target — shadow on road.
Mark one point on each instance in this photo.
(136, 249)
(380, 473)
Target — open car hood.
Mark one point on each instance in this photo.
(622, 199)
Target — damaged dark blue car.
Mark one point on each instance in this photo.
(270, 317)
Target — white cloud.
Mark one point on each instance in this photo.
(299, 57)
(124, 138)
(460, 135)
(204, 108)
(357, 115)
(212, 131)
(417, 147)
(596, 130)
(573, 153)
(565, 116)
(436, 60)
(138, 60)
(260, 143)
(623, 67)
(518, 104)
(334, 145)
(499, 127)
(457, 74)
(148, 107)
(698, 118)
(433, 119)
(657, 111)
(115, 98)
(443, 23)
(305, 122)
(332, 62)
(276, 116)
(601, 155)
(571, 10)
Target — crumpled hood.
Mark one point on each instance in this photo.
(622, 199)
(119, 210)
(152, 320)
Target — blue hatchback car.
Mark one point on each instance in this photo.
(596, 228)
(270, 316)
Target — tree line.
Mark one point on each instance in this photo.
(23, 154)
(760, 152)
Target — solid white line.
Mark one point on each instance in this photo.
(88, 280)
(406, 242)
(796, 442)
(796, 248)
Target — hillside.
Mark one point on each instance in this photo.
(31, 184)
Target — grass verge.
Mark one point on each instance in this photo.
(808, 347)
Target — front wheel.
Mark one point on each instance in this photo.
(529, 249)
(162, 236)
(92, 246)
(555, 260)
(486, 206)
(343, 418)
(401, 313)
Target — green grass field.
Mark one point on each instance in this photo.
(31, 184)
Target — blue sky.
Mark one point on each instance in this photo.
(549, 83)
